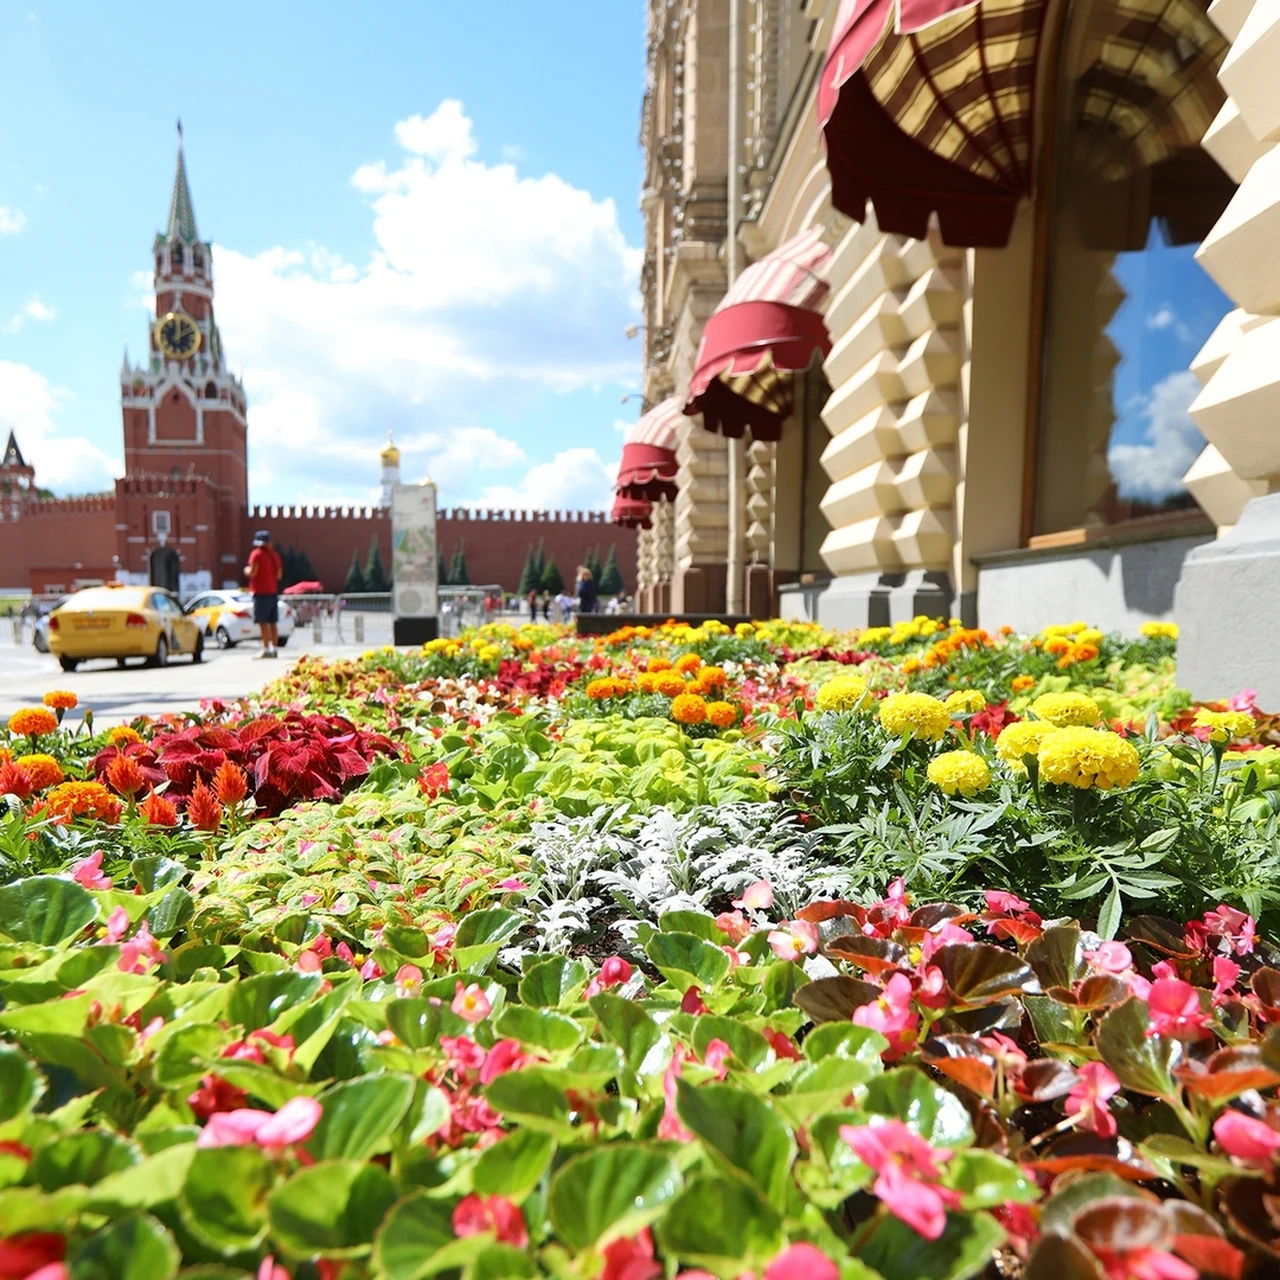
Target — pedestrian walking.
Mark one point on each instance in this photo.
(263, 571)
(584, 587)
(533, 605)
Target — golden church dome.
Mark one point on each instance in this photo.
(390, 454)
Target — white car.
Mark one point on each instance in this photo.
(228, 617)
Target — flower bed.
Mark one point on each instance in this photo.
(688, 952)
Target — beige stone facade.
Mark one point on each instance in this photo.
(917, 471)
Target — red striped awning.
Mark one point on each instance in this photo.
(632, 513)
(766, 328)
(649, 467)
(927, 106)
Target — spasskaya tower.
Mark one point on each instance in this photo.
(185, 428)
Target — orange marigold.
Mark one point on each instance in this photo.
(671, 685)
(230, 783)
(32, 722)
(688, 663)
(159, 811)
(125, 777)
(659, 664)
(83, 800)
(689, 708)
(61, 700)
(722, 714)
(44, 771)
(647, 681)
(1020, 684)
(608, 687)
(121, 735)
(713, 677)
(203, 809)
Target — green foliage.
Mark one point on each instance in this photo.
(375, 576)
(550, 579)
(458, 575)
(354, 584)
(610, 577)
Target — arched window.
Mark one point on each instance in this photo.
(197, 257)
(1126, 306)
(210, 391)
(175, 257)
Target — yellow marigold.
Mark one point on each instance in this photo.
(1020, 684)
(1090, 635)
(60, 700)
(1225, 726)
(966, 701)
(1159, 630)
(722, 714)
(44, 771)
(122, 734)
(743, 630)
(83, 800)
(688, 663)
(1021, 739)
(670, 685)
(1080, 757)
(32, 722)
(965, 772)
(1065, 709)
(841, 693)
(659, 664)
(918, 713)
(689, 708)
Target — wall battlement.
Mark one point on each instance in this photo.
(149, 485)
(56, 508)
(455, 515)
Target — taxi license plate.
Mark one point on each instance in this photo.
(92, 624)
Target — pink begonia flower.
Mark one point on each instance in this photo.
(907, 1173)
(470, 1003)
(1009, 903)
(671, 1128)
(308, 962)
(322, 945)
(630, 1259)
(714, 1058)
(931, 989)
(1251, 1141)
(474, 1216)
(140, 952)
(293, 1123)
(344, 952)
(462, 1053)
(371, 969)
(1225, 973)
(892, 1015)
(1144, 1264)
(56, 1271)
(1175, 1011)
(798, 938)
(756, 897)
(149, 1030)
(943, 936)
(1245, 700)
(784, 1047)
(802, 1262)
(1237, 930)
(118, 923)
(408, 980)
(734, 925)
(271, 1269)
(88, 873)
(1111, 957)
(613, 973)
(692, 1002)
(506, 1055)
(1087, 1099)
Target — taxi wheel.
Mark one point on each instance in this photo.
(122, 663)
(161, 658)
(69, 664)
(197, 654)
(223, 637)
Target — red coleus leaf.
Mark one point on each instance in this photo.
(1228, 1073)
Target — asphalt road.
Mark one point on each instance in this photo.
(117, 696)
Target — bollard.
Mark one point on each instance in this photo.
(358, 622)
(315, 632)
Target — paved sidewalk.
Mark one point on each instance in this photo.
(119, 695)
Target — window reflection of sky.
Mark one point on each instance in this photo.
(1171, 307)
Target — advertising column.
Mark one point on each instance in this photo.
(415, 598)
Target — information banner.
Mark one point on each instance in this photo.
(414, 551)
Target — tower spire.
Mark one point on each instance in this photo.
(182, 214)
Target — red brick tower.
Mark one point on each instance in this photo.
(17, 481)
(185, 429)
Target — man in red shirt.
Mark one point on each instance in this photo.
(263, 571)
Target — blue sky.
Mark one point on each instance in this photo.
(424, 215)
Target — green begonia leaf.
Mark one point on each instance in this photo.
(610, 1191)
(45, 910)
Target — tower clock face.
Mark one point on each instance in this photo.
(177, 335)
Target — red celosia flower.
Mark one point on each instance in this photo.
(125, 777)
(230, 784)
(16, 781)
(203, 809)
(159, 811)
(908, 1173)
(474, 1216)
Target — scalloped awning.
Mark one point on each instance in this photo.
(632, 513)
(648, 468)
(928, 106)
(766, 328)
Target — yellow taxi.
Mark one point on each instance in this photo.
(123, 622)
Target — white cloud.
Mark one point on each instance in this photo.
(576, 479)
(11, 221)
(1162, 319)
(67, 464)
(34, 309)
(485, 290)
(1153, 470)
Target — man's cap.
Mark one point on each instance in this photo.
(262, 536)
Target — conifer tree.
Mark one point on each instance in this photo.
(552, 583)
(305, 571)
(354, 584)
(611, 581)
(528, 575)
(539, 563)
(592, 563)
(375, 576)
(458, 575)
(442, 571)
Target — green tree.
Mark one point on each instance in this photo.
(529, 574)
(611, 581)
(552, 583)
(458, 575)
(442, 571)
(354, 584)
(539, 564)
(375, 576)
(306, 573)
(288, 567)
(592, 562)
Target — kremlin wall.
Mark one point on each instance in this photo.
(186, 441)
